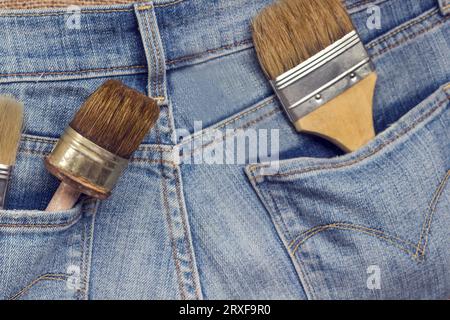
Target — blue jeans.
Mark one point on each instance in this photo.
(182, 224)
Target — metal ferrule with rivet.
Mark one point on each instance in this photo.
(84, 165)
(323, 77)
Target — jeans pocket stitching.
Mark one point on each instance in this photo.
(420, 251)
(396, 241)
(365, 155)
(44, 277)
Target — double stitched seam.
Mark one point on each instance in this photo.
(403, 28)
(89, 242)
(420, 252)
(186, 235)
(90, 208)
(399, 243)
(226, 136)
(81, 289)
(360, 3)
(408, 38)
(209, 51)
(45, 277)
(235, 119)
(169, 221)
(132, 160)
(303, 276)
(363, 156)
(50, 14)
(150, 56)
(43, 226)
(159, 57)
(168, 4)
(55, 73)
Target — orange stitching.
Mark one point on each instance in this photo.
(49, 276)
(42, 74)
(361, 157)
(149, 7)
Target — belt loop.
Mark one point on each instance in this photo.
(154, 51)
(444, 6)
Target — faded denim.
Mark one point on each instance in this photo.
(176, 230)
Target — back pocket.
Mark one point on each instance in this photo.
(374, 223)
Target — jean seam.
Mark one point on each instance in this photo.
(159, 57)
(408, 38)
(44, 277)
(360, 3)
(169, 222)
(303, 278)
(420, 252)
(251, 110)
(75, 72)
(226, 136)
(209, 51)
(42, 226)
(400, 29)
(87, 252)
(187, 236)
(363, 156)
(113, 10)
(396, 241)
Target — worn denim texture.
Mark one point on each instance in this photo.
(197, 231)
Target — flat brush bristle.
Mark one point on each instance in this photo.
(288, 32)
(116, 118)
(11, 119)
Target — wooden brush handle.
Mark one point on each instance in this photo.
(347, 120)
(64, 198)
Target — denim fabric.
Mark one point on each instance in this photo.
(184, 230)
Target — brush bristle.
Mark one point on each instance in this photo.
(288, 32)
(116, 118)
(11, 119)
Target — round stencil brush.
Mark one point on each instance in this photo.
(11, 120)
(319, 69)
(96, 147)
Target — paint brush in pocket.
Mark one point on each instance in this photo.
(11, 119)
(95, 149)
(319, 69)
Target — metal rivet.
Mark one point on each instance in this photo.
(318, 97)
(352, 75)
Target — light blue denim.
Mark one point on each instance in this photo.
(316, 229)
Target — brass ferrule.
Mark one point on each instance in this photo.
(84, 165)
(5, 173)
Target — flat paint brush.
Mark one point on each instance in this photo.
(11, 120)
(95, 149)
(319, 69)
